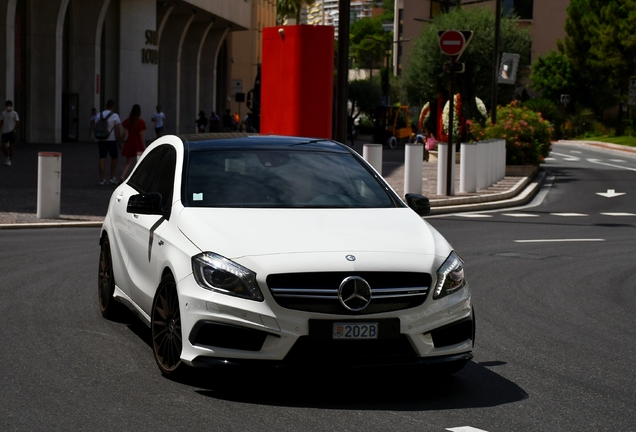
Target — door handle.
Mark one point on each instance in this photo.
(120, 196)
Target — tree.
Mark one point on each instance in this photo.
(291, 8)
(367, 42)
(364, 95)
(424, 78)
(601, 47)
(552, 76)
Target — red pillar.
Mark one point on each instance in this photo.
(297, 81)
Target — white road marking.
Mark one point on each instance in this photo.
(568, 214)
(549, 159)
(473, 215)
(575, 151)
(611, 193)
(558, 240)
(616, 160)
(571, 159)
(519, 215)
(465, 429)
(598, 161)
(618, 214)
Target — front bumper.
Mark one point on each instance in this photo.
(222, 330)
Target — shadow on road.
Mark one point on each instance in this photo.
(358, 389)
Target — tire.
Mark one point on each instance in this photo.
(391, 142)
(166, 327)
(108, 306)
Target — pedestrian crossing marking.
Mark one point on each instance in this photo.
(616, 160)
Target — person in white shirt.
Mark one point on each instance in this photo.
(158, 119)
(9, 121)
(109, 145)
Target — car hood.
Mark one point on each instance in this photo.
(236, 233)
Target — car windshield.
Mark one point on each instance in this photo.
(281, 179)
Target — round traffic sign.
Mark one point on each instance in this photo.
(452, 42)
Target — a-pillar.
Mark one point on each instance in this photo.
(138, 69)
(44, 116)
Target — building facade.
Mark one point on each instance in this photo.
(544, 18)
(64, 57)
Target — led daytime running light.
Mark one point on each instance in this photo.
(450, 276)
(216, 273)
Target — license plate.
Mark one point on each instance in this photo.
(351, 331)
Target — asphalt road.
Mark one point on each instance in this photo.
(555, 348)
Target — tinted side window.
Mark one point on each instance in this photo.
(163, 181)
(143, 176)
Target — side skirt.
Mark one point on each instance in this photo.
(130, 304)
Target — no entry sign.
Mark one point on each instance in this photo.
(453, 42)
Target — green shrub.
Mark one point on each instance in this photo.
(527, 134)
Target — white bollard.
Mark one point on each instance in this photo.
(372, 153)
(468, 167)
(413, 159)
(49, 185)
(442, 149)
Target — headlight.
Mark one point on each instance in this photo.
(216, 273)
(450, 276)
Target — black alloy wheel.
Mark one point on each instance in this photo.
(108, 306)
(166, 327)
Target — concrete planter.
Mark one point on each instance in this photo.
(521, 170)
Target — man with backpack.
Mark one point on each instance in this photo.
(108, 134)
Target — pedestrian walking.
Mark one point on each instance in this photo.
(108, 133)
(9, 121)
(215, 123)
(201, 122)
(134, 127)
(228, 121)
(158, 119)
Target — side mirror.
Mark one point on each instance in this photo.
(419, 203)
(148, 204)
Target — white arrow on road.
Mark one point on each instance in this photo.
(611, 193)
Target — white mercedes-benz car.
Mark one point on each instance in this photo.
(271, 250)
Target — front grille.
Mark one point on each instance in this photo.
(318, 292)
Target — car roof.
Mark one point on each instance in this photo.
(246, 141)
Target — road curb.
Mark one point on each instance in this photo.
(75, 224)
(523, 192)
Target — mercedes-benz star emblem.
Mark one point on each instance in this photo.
(350, 257)
(354, 293)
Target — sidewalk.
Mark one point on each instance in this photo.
(84, 202)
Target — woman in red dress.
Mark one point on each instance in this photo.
(134, 128)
